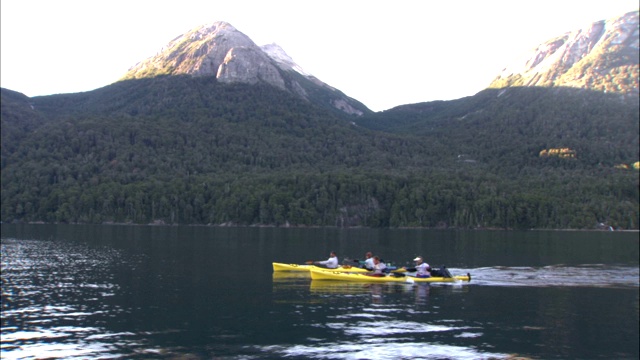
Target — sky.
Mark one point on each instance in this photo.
(382, 53)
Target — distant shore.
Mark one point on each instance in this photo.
(288, 226)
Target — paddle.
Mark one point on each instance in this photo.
(311, 262)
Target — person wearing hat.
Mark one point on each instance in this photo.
(331, 263)
(422, 268)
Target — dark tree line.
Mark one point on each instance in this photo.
(439, 200)
(191, 151)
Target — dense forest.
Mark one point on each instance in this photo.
(182, 150)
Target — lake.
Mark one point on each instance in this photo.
(182, 292)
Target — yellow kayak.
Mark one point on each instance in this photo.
(326, 274)
(296, 267)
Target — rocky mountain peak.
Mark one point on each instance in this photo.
(218, 49)
(278, 54)
(215, 49)
(602, 56)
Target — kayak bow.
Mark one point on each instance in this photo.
(296, 267)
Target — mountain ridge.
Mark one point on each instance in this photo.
(220, 50)
(603, 57)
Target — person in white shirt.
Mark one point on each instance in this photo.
(421, 269)
(378, 267)
(331, 262)
(368, 263)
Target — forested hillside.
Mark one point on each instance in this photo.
(185, 150)
(509, 127)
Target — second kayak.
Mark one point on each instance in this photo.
(330, 274)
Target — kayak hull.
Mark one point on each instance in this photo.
(296, 267)
(290, 267)
(342, 276)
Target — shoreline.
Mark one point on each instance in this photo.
(288, 226)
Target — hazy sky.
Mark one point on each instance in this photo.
(382, 53)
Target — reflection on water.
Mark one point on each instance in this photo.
(288, 277)
(377, 291)
(374, 321)
(381, 348)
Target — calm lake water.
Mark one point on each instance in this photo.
(170, 292)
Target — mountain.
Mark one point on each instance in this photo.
(588, 72)
(219, 50)
(19, 119)
(175, 144)
(602, 57)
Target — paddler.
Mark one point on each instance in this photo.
(368, 263)
(421, 268)
(378, 267)
(331, 262)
